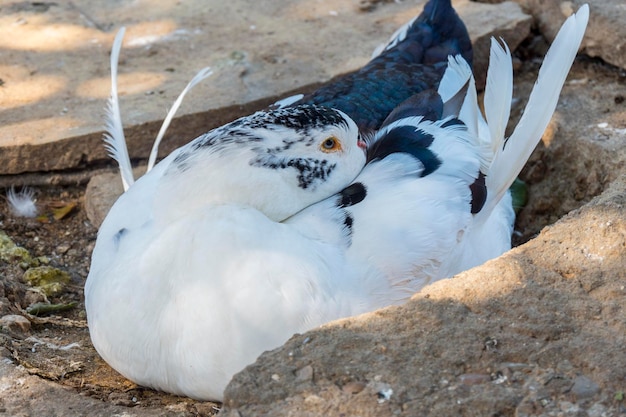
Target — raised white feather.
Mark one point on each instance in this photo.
(506, 157)
(201, 75)
(457, 74)
(115, 142)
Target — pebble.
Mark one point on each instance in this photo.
(63, 248)
(353, 387)
(384, 394)
(597, 410)
(121, 398)
(474, 379)
(15, 323)
(569, 407)
(584, 387)
(313, 399)
(304, 374)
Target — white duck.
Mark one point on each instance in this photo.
(272, 225)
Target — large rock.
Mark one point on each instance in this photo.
(606, 33)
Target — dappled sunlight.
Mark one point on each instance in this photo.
(38, 34)
(132, 83)
(146, 33)
(54, 81)
(23, 88)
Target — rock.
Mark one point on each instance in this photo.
(353, 387)
(606, 34)
(584, 387)
(597, 410)
(304, 374)
(102, 191)
(49, 280)
(15, 323)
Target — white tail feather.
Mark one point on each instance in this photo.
(498, 92)
(454, 78)
(511, 156)
(201, 75)
(115, 142)
(456, 75)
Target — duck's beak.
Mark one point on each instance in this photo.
(361, 144)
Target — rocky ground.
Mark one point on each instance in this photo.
(538, 331)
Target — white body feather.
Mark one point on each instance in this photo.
(22, 204)
(207, 286)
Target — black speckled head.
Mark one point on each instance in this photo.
(307, 151)
(295, 125)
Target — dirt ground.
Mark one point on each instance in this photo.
(563, 174)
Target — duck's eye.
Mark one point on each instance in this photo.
(331, 144)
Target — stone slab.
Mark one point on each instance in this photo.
(606, 34)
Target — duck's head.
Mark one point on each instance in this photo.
(277, 161)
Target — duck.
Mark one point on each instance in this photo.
(313, 210)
